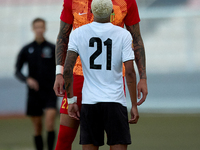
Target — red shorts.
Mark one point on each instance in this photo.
(77, 89)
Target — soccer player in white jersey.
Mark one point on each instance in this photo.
(103, 48)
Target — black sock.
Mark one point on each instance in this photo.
(38, 142)
(50, 140)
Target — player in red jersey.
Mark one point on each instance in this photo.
(76, 13)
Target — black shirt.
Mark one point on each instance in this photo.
(41, 63)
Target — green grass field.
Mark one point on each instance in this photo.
(153, 132)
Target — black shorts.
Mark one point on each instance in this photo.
(109, 117)
(40, 100)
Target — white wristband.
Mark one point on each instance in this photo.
(72, 100)
(59, 69)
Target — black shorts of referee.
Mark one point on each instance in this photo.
(40, 100)
(106, 116)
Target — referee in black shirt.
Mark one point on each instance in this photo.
(40, 57)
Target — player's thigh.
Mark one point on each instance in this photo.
(37, 124)
(36, 120)
(35, 112)
(116, 124)
(118, 147)
(90, 147)
(65, 120)
(91, 125)
(77, 89)
(50, 116)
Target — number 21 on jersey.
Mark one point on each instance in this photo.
(108, 44)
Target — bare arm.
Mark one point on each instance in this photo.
(138, 49)
(62, 42)
(131, 83)
(70, 61)
(68, 72)
(140, 60)
(61, 50)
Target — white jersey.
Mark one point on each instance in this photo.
(103, 47)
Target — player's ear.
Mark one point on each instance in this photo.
(91, 10)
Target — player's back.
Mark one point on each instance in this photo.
(102, 49)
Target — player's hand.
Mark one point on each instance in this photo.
(58, 86)
(142, 88)
(134, 115)
(73, 111)
(32, 83)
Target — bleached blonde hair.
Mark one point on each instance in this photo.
(101, 8)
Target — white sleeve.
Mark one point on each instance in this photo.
(127, 51)
(73, 45)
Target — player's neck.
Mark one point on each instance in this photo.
(106, 20)
(39, 40)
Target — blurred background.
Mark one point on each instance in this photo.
(171, 34)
